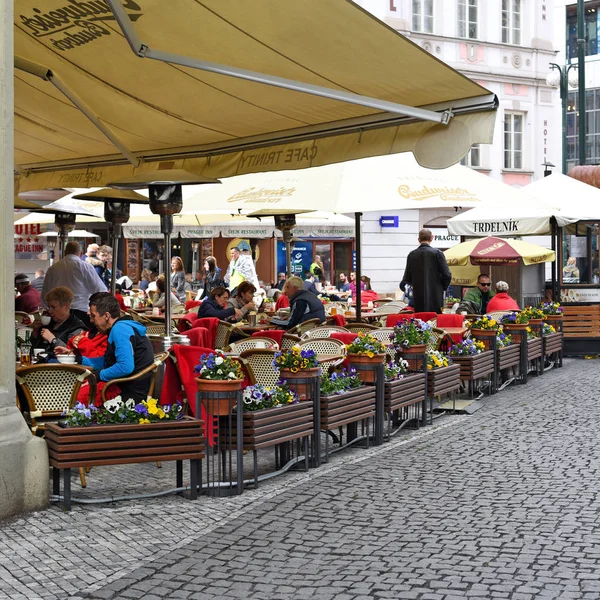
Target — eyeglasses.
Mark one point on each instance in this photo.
(485, 284)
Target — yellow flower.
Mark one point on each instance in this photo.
(294, 370)
(152, 409)
(429, 367)
(370, 354)
(160, 412)
(492, 322)
(144, 421)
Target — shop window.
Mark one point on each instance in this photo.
(511, 21)
(591, 27)
(580, 254)
(467, 19)
(592, 109)
(422, 15)
(473, 157)
(513, 140)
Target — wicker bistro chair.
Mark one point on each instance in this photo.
(383, 335)
(152, 370)
(323, 331)
(361, 327)
(334, 349)
(154, 328)
(302, 328)
(224, 332)
(439, 339)
(49, 390)
(387, 309)
(258, 363)
(288, 340)
(252, 343)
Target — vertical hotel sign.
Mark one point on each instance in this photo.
(28, 243)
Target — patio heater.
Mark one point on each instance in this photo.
(117, 205)
(166, 199)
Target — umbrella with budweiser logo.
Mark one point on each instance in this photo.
(498, 251)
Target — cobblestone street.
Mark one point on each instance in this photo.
(499, 504)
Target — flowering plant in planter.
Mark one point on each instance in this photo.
(324, 299)
(533, 313)
(551, 308)
(338, 383)
(484, 322)
(503, 339)
(218, 367)
(547, 329)
(437, 360)
(117, 411)
(514, 318)
(257, 397)
(296, 359)
(366, 344)
(467, 348)
(530, 334)
(451, 301)
(397, 370)
(413, 332)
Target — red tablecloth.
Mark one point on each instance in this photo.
(425, 316)
(338, 320)
(199, 336)
(451, 320)
(392, 320)
(186, 321)
(273, 334)
(346, 338)
(211, 323)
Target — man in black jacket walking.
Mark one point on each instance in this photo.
(428, 273)
(304, 305)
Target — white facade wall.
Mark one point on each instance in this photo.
(516, 74)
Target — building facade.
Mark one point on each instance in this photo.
(506, 46)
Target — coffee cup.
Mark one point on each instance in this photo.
(156, 312)
(45, 320)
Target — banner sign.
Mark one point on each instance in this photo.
(28, 243)
(579, 295)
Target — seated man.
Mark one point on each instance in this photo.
(480, 296)
(309, 283)
(128, 350)
(502, 301)
(304, 305)
(30, 298)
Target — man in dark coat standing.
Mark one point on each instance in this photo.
(428, 273)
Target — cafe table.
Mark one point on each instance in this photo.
(250, 329)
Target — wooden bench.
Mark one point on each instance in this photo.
(74, 447)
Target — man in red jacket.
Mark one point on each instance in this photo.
(501, 301)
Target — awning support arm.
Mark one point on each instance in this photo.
(22, 64)
(144, 51)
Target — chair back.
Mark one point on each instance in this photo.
(439, 338)
(331, 362)
(198, 336)
(393, 320)
(259, 366)
(224, 330)
(50, 389)
(361, 327)
(497, 314)
(425, 316)
(449, 320)
(323, 331)
(133, 314)
(288, 340)
(302, 328)
(387, 309)
(251, 343)
(383, 335)
(154, 328)
(324, 346)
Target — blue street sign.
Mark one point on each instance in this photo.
(388, 221)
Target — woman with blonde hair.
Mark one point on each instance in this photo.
(159, 299)
(178, 278)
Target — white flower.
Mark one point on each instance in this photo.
(130, 404)
(112, 406)
(219, 360)
(231, 375)
(202, 369)
(220, 371)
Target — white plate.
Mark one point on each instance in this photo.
(66, 359)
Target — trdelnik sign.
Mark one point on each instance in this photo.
(73, 23)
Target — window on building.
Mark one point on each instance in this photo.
(473, 157)
(511, 21)
(422, 15)
(592, 138)
(513, 140)
(591, 27)
(467, 19)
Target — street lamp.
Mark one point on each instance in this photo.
(562, 78)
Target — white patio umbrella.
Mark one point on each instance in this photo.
(76, 233)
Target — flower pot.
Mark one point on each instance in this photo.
(516, 330)
(219, 406)
(415, 363)
(302, 389)
(485, 336)
(552, 319)
(356, 360)
(536, 322)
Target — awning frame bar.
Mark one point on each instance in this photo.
(144, 51)
(46, 74)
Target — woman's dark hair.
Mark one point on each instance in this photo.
(106, 303)
(367, 281)
(244, 287)
(212, 263)
(219, 291)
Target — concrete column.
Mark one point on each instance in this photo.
(23, 458)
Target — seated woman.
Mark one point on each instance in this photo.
(501, 300)
(215, 306)
(63, 324)
(144, 280)
(177, 307)
(243, 299)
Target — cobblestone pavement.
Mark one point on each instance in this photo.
(500, 504)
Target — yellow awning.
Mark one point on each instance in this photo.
(84, 100)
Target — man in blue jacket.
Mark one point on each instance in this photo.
(304, 305)
(128, 351)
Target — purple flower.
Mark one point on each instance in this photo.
(140, 409)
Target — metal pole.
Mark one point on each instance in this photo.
(357, 217)
(581, 72)
(554, 236)
(288, 257)
(166, 224)
(564, 93)
(117, 232)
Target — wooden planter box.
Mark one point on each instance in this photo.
(552, 343)
(443, 381)
(349, 407)
(534, 348)
(272, 426)
(73, 447)
(405, 392)
(509, 356)
(476, 366)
